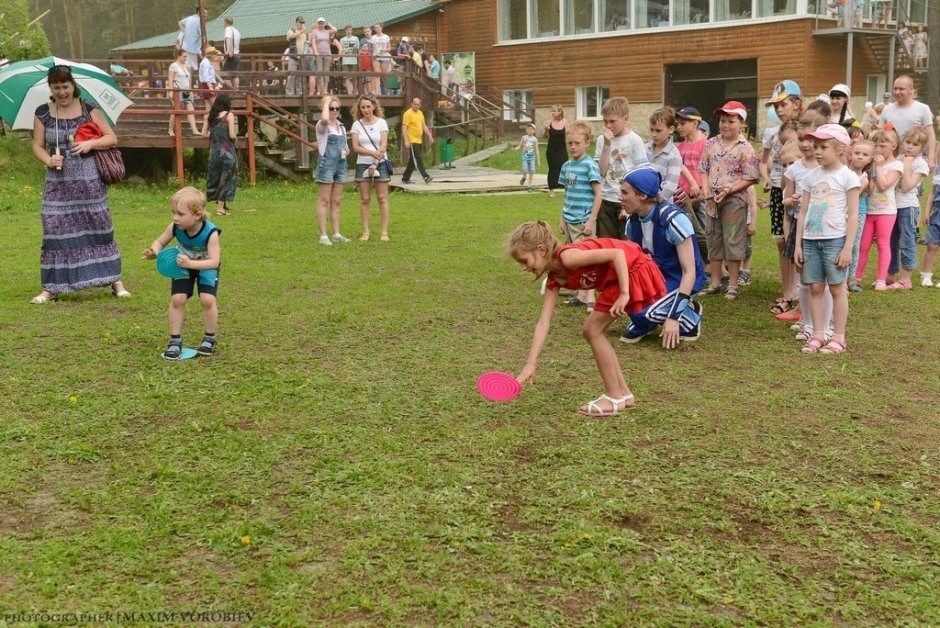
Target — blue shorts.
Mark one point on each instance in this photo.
(528, 163)
(933, 225)
(819, 261)
(362, 174)
(331, 170)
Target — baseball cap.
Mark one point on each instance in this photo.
(300, 18)
(321, 19)
(782, 91)
(689, 113)
(644, 180)
(835, 132)
(405, 38)
(732, 108)
(841, 90)
(704, 127)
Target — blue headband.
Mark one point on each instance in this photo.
(644, 180)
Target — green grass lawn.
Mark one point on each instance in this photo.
(334, 464)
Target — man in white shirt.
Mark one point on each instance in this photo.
(190, 39)
(232, 45)
(907, 112)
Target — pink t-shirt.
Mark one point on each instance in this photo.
(321, 41)
(691, 157)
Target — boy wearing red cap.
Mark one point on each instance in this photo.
(732, 167)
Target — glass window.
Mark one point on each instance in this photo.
(513, 19)
(770, 8)
(590, 101)
(517, 105)
(690, 11)
(614, 15)
(652, 13)
(546, 18)
(918, 11)
(579, 17)
(732, 10)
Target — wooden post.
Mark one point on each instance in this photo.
(178, 139)
(202, 24)
(250, 139)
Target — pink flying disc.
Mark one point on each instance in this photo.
(498, 386)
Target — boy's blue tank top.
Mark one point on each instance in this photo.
(197, 246)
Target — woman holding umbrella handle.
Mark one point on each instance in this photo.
(78, 249)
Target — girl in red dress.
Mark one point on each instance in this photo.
(627, 279)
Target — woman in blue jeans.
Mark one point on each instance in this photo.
(331, 168)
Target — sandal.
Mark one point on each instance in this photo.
(833, 346)
(364, 237)
(121, 292)
(593, 409)
(43, 297)
(732, 293)
(783, 305)
(712, 288)
(813, 346)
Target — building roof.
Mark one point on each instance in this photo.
(271, 19)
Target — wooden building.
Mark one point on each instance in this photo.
(678, 52)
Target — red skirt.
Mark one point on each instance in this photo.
(647, 286)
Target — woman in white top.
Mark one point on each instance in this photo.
(381, 52)
(179, 79)
(369, 140)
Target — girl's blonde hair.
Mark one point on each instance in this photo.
(886, 135)
(325, 105)
(529, 236)
(357, 112)
(189, 198)
(559, 110)
(918, 134)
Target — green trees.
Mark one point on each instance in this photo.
(21, 37)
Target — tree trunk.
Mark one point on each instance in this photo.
(932, 97)
(68, 31)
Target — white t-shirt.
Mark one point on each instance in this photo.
(232, 33)
(381, 44)
(373, 132)
(797, 173)
(826, 213)
(909, 198)
(626, 151)
(905, 118)
(771, 142)
(885, 202)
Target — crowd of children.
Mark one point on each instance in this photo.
(836, 187)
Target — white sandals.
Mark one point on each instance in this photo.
(43, 297)
(617, 406)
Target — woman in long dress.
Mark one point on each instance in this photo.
(222, 178)
(78, 249)
(556, 154)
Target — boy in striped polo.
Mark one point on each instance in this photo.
(582, 180)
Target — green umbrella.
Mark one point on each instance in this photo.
(23, 87)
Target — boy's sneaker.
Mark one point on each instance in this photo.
(696, 332)
(744, 278)
(632, 335)
(325, 240)
(522, 180)
(206, 347)
(926, 280)
(340, 238)
(428, 179)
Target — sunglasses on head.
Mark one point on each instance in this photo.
(60, 68)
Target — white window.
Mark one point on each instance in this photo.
(517, 105)
(590, 100)
(546, 18)
(579, 17)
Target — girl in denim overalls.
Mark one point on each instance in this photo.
(331, 168)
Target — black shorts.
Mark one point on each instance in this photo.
(207, 280)
(609, 223)
(231, 63)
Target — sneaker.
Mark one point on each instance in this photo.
(407, 181)
(339, 237)
(926, 280)
(522, 180)
(590, 307)
(631, 335)
(744, 278)
(696, 332)
(325, 240)
(206, 347)
(854, 287)
(529, 189)
(428, 179)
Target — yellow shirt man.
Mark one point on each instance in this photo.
(413, 121)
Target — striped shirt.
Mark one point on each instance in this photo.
(667, 162)
(577, 177)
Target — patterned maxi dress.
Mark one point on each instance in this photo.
(223, 164)
(78, 249)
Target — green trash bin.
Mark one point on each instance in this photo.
(447, 153)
